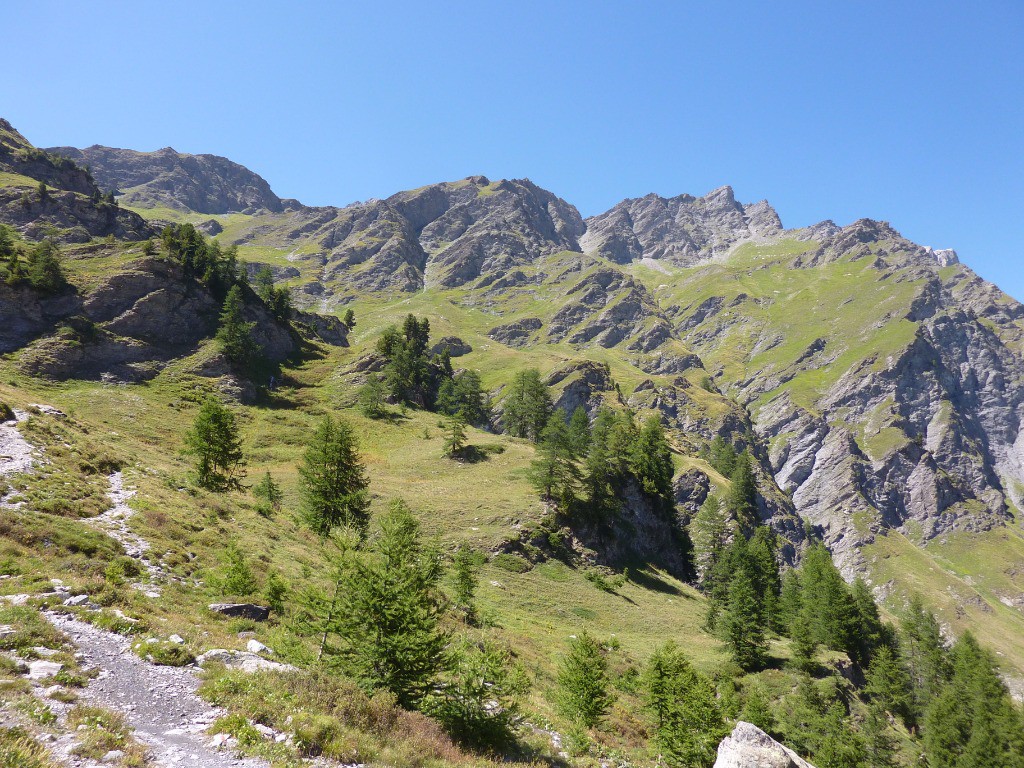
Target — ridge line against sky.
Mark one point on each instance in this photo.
(901, 111)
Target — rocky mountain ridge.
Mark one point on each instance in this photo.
(875, 378)
(199, 183)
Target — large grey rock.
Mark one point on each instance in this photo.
(242, 660)
(750, 747)
(40, 670)
(242, 610)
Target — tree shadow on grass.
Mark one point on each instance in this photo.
(650, 580)
(474, 454)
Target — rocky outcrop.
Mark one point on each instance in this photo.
(128, 326)
(52, 196)
(456, 347)
(584, 385)
(607, 307)
(167, 178)
(68, 217)
(518, 333)
(683, 230)
(18, 156)
(750, 747)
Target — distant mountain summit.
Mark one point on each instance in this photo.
(681, 230)
(167, 178)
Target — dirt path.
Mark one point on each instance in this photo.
(15, 452)
(160, 703)
(114, 522)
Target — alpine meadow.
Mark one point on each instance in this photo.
(459, 477)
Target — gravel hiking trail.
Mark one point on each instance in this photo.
(160, 703)
(16, 453)
(114, 522)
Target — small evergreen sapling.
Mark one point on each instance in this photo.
(583, 694)
(269, 492)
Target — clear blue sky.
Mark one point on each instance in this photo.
(911, 112)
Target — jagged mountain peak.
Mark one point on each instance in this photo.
(682, 230)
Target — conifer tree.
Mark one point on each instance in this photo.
(804, 636)
(741, 500)
(708, 530)
(688, 721)
(44, 270)
(371, 398)
(870, 632)
(829, 602)
(924, 656)
(650, 461)
(757, 709)
(527, 405)
(554, 472)
(767, 583)
(274, 592)
(387, 621)
(332, 480)
(973, 721)
(237, 578)
(579, 433)
(216, 445)
(269, 491)
(455, 436)
(235, 334)
(583, 692)
(789, 599)
(887, 684)
(599, 477)
(721, 455)
(464, 394)
(464, 578)
(6, 241)
(479, 698)
(349, 318)
(743, 622)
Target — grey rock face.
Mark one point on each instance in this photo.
(682, 230)
(128, 326)
(200, 183)
(583, 385)
(750, 747)
(923, 438)
(516, 334)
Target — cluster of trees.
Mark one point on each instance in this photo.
(38, 266)
(203, 259)
(278, 300)
(412, 375)
(219, 270)
(585, 468)
(950, 698)
(683, 706)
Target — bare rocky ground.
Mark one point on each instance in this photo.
(114, 522)
(16, 454)
(160, 703)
